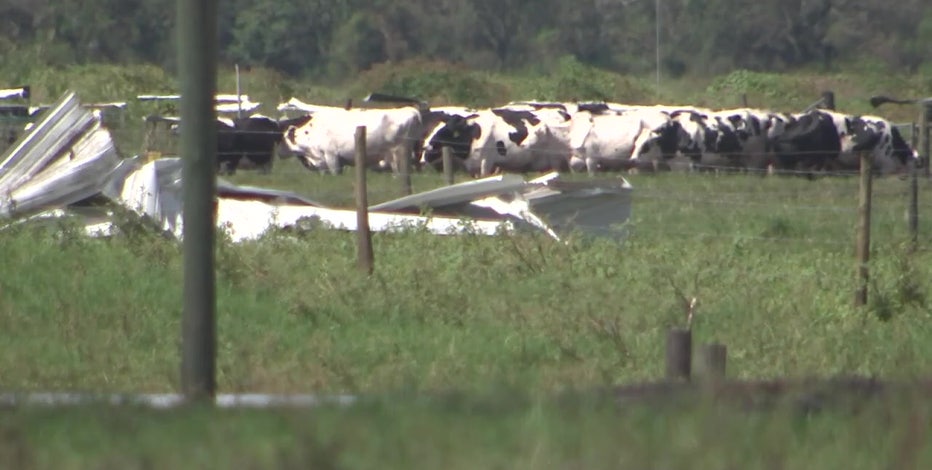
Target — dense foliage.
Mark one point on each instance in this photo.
(337, 38)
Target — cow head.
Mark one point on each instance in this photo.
(724, 139)
(457, 132)
(665, 140)
(691, 134)
(901, 150)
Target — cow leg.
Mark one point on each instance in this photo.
(577, 164)
(333, 163)
(591, 165)
(485, 168)
(306, 162)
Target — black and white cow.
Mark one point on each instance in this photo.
(831, 141)
(809, 143)
(254, 138)
(501, 139)
(325, 138)
(636, 138)
(729, 140)
(889, 151)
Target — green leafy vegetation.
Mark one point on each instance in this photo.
(497, 326)
(769, 260)
(459, 432)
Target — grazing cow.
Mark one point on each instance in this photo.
(254, 137)
(325, 139)
(432, 120)
(717, 141)
(512, 140)
(890, 152)
(753, 131)
(602, 139)
(810, 142)
(827, 140)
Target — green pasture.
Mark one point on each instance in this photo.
(488, 432)
(495, 326)
(505, 323)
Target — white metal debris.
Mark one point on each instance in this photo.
(225, 102)
(548, 203)
(154, 190)
(14, 93)
(295, 104)
(68, 157)
(174, 400)
(64, 158)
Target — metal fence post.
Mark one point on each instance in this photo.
(197, 59)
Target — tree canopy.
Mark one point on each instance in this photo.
(335, 39)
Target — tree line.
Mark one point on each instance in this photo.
(334, 39)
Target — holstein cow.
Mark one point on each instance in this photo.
(754, 130)
(640, 138)
(809, 143)
(728, 140)
(502, 139)
(254, 137)
(890, 152)
(325, 139)
(433, 119)
(826, 140)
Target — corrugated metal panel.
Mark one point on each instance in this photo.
(66, 157)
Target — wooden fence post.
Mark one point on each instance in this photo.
(913, 214)
(447, 164)
(828, 100)
(864, 229)
(712, 360)
(364, 254)
(679, 354)
(923, 143)
(404, 167)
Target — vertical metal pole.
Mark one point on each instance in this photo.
(657, 42)
(864, 230)
(364, 254)
(197, 59)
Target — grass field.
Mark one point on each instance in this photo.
(500, 322)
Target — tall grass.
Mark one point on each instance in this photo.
(770, 261)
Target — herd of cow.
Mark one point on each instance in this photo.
(553, 136)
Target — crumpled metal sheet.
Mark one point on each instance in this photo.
(14, 93)
(68, 156)
(64, 158)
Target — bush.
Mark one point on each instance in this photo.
(571, 80)
(434, 82)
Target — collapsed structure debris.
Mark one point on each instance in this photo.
(69, 157)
